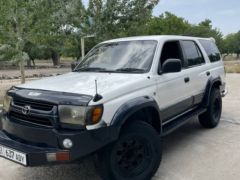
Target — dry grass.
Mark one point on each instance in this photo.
(7, 84)
(232, 67)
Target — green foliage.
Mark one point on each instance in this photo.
(232, 43)
(7, 52)
(170, 24)
(167, 23)
(14, 25)
(118, 18)
(50, 28)
(205, 29)
(36, 52)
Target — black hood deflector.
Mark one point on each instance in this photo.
(53, 97)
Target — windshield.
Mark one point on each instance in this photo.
(126, 56)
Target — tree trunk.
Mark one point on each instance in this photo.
(55, 58)
(29, 63)
(21, 64)
(33, 63)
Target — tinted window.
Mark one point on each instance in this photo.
(211, 50)
(192, 53)
(171, 50)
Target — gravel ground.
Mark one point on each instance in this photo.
(190, 153)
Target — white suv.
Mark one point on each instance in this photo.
(118, 102)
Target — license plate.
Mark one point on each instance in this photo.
(13, 155)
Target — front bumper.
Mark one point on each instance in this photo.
(223, 90)
(36, 156)
(37, 143)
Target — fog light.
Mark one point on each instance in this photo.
(67, 143)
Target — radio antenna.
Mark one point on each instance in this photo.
(97, 97)
(96, 86)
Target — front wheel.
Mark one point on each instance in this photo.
(136, 155)
(211, 117)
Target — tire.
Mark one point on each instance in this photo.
(211, 118)
(135, 156)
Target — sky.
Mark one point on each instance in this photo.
(224, 14)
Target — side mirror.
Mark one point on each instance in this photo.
(172, 66)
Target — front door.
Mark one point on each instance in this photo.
(173, 93)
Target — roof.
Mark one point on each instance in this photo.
(156, 38)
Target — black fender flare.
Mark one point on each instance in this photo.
(210, 84)
(132, 106)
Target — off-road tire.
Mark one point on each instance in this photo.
(136, 155)
(211, 118)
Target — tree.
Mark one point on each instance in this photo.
(170, 24)
(118, 18)
(14, 25)
(167, 23)
(134, 16)
(47, 29)
(232, 43)
(78, 25)
(205, 29)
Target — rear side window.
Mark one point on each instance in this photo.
(192, 53)
(211, 50)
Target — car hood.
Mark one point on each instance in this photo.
(84, 83)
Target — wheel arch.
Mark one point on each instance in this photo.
(212, 83)
(135, 108)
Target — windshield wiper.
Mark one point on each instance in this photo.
(97, 69)
(130, 70)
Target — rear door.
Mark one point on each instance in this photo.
(216, 65)
(196, 69)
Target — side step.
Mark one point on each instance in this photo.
(176, 122)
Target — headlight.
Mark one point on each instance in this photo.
(7, 102)
(80, 115)
(72, 114)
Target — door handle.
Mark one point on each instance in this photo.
(208, 73)
(186, 79)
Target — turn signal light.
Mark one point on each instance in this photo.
(59, 156)
(97, 114)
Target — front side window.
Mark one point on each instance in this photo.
(192, 53)
(171, 50)
(127, 56)
(211, 50)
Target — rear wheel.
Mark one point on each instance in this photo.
(136, 155)
(211, 117)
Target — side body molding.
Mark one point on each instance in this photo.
(131, 107)
(211, 83)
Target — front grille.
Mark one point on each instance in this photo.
(29, 119)
(34, 105)
(41, 113)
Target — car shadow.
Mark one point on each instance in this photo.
(86, 170)
(186, 133)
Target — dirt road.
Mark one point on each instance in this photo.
(190, 153)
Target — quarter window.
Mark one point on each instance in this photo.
(192, 53)
(211, 50)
